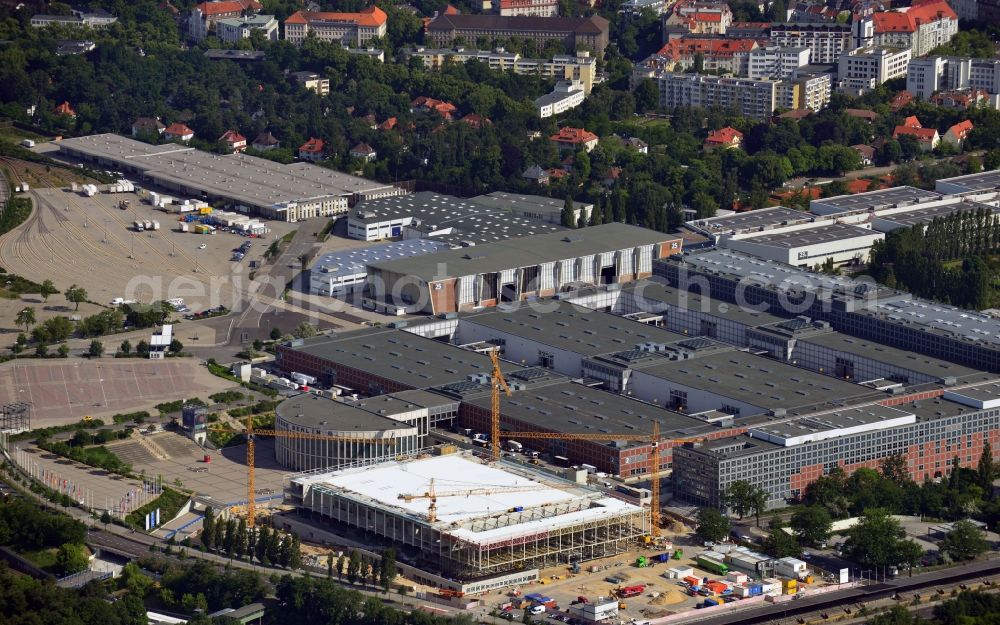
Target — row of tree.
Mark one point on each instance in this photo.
(233, 538)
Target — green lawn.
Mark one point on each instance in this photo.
(169, 503)
(44, 559)
(16, 135)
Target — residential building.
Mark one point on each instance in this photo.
(537, 175)
(178, 132)
(700, 17)
(312, 150)
(67, 47)
(751, 98)
(355, 29)
(535, 8)
(475, 120)
(64, 110)
(730, 56)
(364, 152)
(581, 66)
(96, 19)
(640, 146)
(826, 42)
(566, 95)
(574, 139)
(375, 54)
(265, 141)
(203, 17)
(926, 76)
(958, 133)
(928, 137)
(964, 100)
(574, 33)
(232, 141)
(150, 126)
(723, 138)
(776, 62)
(804, 90)
(234, 29)
(424, 105)
(867, 154)
(861, 70)
(313, 82)
(634, 8)
(919, 28)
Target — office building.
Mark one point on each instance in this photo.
(581, 66)
(566, 95)
(234, 29)
(927, 76)
(590, 33)
(535, 8)
(93, 19)
(338, 274)
(203, 17)
(354, 29)
(861, 70)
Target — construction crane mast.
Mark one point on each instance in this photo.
(251, 434)
(497, 383)
(433, 494)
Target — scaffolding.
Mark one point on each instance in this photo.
(15, 417)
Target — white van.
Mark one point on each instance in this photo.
(536, 609)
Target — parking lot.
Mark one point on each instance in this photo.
(92, 242)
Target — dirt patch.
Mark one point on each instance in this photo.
(669, 597)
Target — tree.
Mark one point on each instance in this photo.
(985, 468)
(142, 348)
(712, 525)
(909, 553)
(354, 566)
(874, 541)
(295, 554)
(41, 350)
(275, 333)
(72, 558)
(894, 469)
(329, 565)
(568, 216)
(781, 544)
(387, 568)
(26, 317)
(304, 330)
(812, 524)
(63, 350)
(47, 290)
(76, 295)
(134, 581)
(745, 498)
(208, 529)
(125, 347)
(96, 349)
(965, 541)
(241, 542)
(176, 346)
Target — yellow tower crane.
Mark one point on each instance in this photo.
(498, 383)
(250, 433)
(432, 494)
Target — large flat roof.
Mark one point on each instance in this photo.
(524, 251)
(570, 327)
(574, 408)
(812, 236)
(764, 218)
(760, 381)
(924, 215)
(895, 356)
(968, 325)
(882, 198)
(355, 261)
(245, 179)
(522, 202)
(407, 358)
(832, 424)
(451, 219)
(696, 302)
(382, 484)
(309, 410)
(984, 181)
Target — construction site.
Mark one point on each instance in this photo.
(460, 516)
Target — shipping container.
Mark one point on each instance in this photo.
(691, 580)
(712, 565)
(156, 225)
(184, 226)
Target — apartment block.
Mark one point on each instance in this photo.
(826, 42)
(926, 76)
(919, 28)
(581, 67)
(756, 99)
(355, 29)
(859, 71)
(776, 62)
(804, 90)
